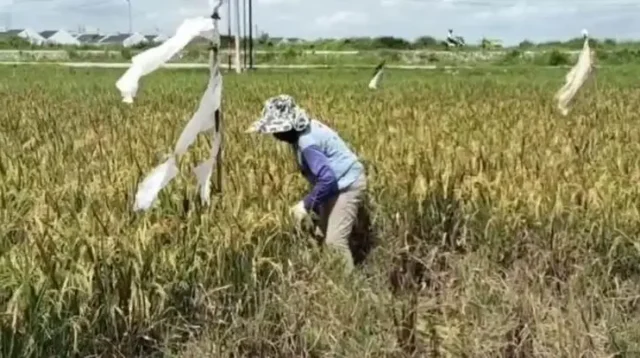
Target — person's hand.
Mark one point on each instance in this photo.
(298, 212)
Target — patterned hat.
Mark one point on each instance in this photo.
(280, 114)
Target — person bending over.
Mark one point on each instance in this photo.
(336, 174)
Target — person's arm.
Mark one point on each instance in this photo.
(326, 183)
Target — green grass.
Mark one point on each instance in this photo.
(504, 229)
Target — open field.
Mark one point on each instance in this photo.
(125, 65)
(297, 57)
(307, 57)
(61, 54)
(503, 229)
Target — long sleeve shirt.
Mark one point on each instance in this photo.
(327, 163)
(317, 170)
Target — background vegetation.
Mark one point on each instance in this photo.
(265, 42)
(503, 229)
(347, 52)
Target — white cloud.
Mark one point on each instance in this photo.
(343, 17)
(523, 10)
(407, 5)
(187, 11)
(390, 3)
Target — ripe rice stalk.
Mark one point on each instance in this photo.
(527, 224)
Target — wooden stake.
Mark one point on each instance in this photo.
(218, 117)
(215, 66)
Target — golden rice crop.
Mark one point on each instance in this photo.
(503, 228)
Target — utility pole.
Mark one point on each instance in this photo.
(238, 69)
(251, 34)
(229, 32)
(244, 34)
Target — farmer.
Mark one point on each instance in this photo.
(337, 176)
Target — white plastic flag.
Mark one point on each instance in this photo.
(205, 169)
(202, 120)
(377, 76)
(151, 59)
(576, 77)
(154, 182)
(151, 186)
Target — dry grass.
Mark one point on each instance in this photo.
(504, 229)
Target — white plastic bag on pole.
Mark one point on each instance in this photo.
(159, 177)
(205, 169)
(151, 59)
(377, 76)
(202, 120)
(576, 77)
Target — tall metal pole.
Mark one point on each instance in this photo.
(244, 33)
(130, 17)
(229, 32)
(238, 69)
(251, 34)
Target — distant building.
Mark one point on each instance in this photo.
(59, 37)
(31, 36)
(290, 41)
(282, 41)
(89, 39)
(277, 41)
(126, 40)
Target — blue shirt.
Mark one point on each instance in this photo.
(327, 163)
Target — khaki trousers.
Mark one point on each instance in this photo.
(339, 216)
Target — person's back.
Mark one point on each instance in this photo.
(344, 163)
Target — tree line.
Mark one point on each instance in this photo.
(266, 42)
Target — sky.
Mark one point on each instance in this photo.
(508, 20)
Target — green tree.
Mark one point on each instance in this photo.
(526, 44)
(425, 41)
(390, 42)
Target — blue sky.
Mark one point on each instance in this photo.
(509, 20)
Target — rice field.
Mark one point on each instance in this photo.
(502, 229)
